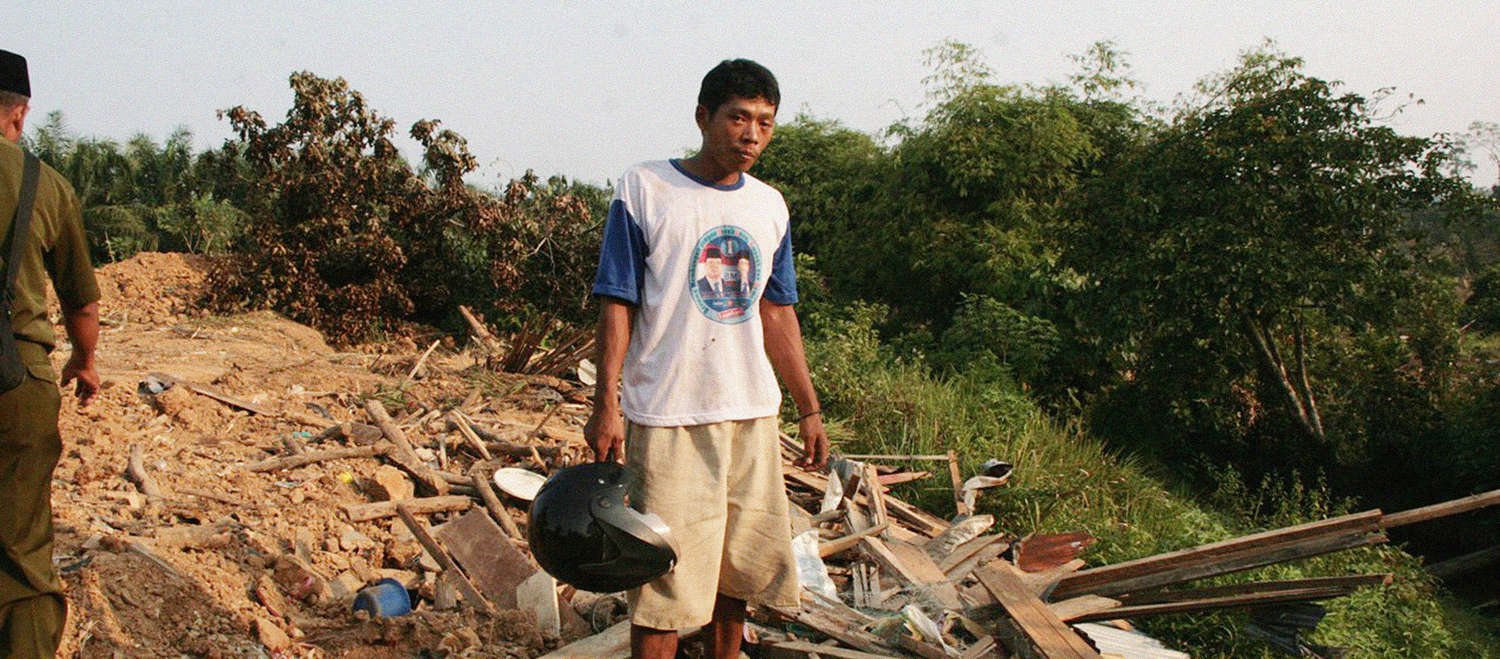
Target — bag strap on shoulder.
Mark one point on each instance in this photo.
(21, 227)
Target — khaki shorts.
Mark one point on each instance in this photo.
(719, 488)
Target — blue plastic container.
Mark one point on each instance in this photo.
(386, 598)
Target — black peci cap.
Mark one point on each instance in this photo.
(13, 77)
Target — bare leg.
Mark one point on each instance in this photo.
(648, 643)
(727, 628)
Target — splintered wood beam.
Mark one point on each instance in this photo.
(364, 512)
(1245, 559)
(1162, 596)
(1076, 607)
(1213, 603)
(836, 545)
(958, 485)
(486, 339)
(294, 461)
(459, 421)
(836, 621)
(921, 521)
(1041, 632)
(471, 594)
(404, 456)
(902, 477)
(875, 494)
(1088, 581)
(1444, 509)
(805, 649)
(915, 567)
(493, 505)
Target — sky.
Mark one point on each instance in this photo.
(585, 89)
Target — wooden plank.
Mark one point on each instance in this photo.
(1247, 559)
(459, 421)
(958, 485)
(492, 503)
(916, 570)
(1069, 609)
(836, 545)
(923, 568)
(364, 512)
(988, 553)
(294, 461)
(1087, 580)
(805, 649)
(1209, 604)
(1444, 509)
(984, 647)
(923, 522)
(1161, 596)
(1047, 635)
(879, 456)
(491, 562)
(1042, 582)
(902, 477)
(450, 571)
(205, 390)
(836, 628)
(875, 494)
(968, 549)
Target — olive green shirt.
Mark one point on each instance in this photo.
(57, 248)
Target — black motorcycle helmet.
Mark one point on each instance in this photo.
(582, 532)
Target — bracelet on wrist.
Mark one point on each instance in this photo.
(814, 412)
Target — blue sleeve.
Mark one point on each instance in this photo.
(622, 257)
(782, 287)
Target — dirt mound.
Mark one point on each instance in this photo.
(151, 287)
(200, 569)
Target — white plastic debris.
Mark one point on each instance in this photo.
(810, 567)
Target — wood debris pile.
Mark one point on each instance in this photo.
(898, 581)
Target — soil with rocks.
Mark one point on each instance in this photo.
(225, 561)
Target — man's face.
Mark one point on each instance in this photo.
(737, 132)
(715, 268)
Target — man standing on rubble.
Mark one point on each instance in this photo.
(32, 607)
(700, 398)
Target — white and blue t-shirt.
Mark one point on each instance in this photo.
(695, 258)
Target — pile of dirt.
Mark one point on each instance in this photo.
(152, 287)
(202, 568)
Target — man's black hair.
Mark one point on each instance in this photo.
(738, 77)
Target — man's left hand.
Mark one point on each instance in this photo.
(814, 443)
(81, 369)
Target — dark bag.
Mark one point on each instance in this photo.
(12, 371)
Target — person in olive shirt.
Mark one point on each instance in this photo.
(32, 606)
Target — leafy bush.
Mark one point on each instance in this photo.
(348, 238)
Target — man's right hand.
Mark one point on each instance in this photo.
(605, 432)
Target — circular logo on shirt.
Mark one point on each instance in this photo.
(723, 275)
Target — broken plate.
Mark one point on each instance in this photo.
(519, 483)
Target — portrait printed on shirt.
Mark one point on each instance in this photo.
(723, 275)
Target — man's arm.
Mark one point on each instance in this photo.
(83, 331)
(605, 430)
(784, 346)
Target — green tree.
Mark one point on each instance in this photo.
(1259, 223)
